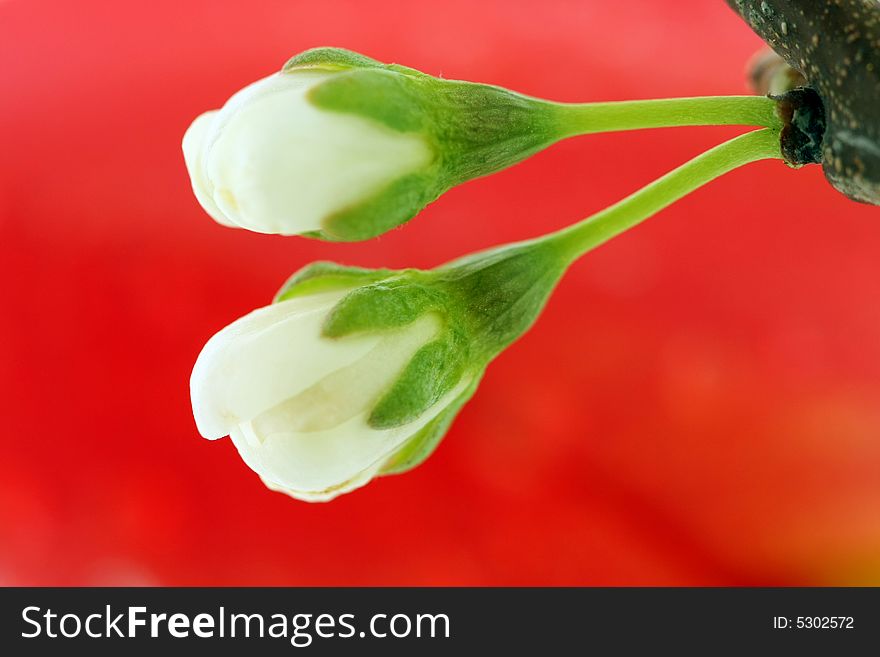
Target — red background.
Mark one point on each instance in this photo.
(700, 403)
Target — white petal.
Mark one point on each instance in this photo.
(265, 358)
(353, 389)
(323, 464)
(361, 479)
(193, 154)
(280, 165)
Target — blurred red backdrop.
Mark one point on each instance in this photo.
(700, 403)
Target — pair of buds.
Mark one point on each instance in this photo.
(351, 372)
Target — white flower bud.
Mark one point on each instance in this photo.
(272, 162)
(296, 403)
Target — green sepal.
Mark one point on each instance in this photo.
(330, 59)
(475, 129)
(394, 100)
(503, 290)
(472, 130)
(434, 370)
(484, 129)
(393, 206)
(325, 276)
(420, 446)
(387, 304)
(491, 299)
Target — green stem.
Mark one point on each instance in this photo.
(586, 118)
(581, 237)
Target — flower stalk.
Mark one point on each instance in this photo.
(582, 237)
(590, 118)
